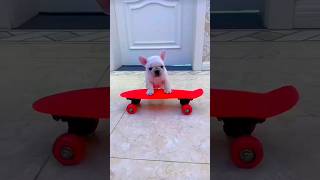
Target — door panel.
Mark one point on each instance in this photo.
(148, 26)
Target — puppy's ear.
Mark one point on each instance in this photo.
(143, 60)
(163, 55)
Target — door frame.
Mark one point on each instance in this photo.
(199, 37)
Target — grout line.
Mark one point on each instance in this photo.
(223, 33)
(154, 160)
(41, 168)
(248, 35)
(113, 129)
(310, 38)
(8, 33)
(51, 39)
(72, 32)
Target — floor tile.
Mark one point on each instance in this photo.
(300, 36)
(267, 35)
(232, 35)
(140, 169)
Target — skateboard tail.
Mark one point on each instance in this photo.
(242, 104)
(287, 97)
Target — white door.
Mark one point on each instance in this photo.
(54, 6)
(307, 14)
(145, 27)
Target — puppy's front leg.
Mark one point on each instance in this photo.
(167, 87)
(150, 90)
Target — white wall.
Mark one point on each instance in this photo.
(69, 6)
(115, 54)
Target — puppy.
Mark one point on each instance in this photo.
(156, 73)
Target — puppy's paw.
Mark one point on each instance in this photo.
(167, 91)
(150, 92)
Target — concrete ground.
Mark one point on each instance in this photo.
(262, 61)
(32, 67)
(159, 142)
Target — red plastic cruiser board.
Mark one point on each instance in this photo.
(232, 103)
(84, 103)
(185, 96)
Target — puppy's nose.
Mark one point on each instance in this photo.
(157, 72)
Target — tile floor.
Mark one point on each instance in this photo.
(158, 142)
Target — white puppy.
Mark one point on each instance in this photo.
(156, 73)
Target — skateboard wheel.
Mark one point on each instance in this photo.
(246, 152)
(131, 108)
(186, 109)
(69, 149)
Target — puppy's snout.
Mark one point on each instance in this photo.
(157, 72)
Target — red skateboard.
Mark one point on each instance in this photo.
(240, 112)
(185, 96)
(82, 110)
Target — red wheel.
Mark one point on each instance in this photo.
(132, 108)
(69, 149)
(186, 109)
(246, 152)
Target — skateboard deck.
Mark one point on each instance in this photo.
(242, 104)
(185, 96)
(159, 94)
(84, 103)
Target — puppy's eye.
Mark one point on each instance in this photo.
(161, 67)
(150, 69)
